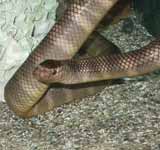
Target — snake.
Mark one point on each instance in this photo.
(91, 69)
(34, 88)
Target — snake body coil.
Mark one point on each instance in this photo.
(23, 93)
(27, 96)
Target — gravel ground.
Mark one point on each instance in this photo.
(125, 116)
(122, 117)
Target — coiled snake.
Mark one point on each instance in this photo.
(27, 96)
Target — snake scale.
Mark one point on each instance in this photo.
(27, 96)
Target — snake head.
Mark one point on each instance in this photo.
(49, 71)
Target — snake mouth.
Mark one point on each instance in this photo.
(42, 74)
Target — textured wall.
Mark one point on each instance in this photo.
(23, 23)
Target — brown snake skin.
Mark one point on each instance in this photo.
(23, 93)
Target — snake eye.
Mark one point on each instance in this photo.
(54, 72)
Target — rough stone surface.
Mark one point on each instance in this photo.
(122, 117)
(23, 23)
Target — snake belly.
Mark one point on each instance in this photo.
(23, 93)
